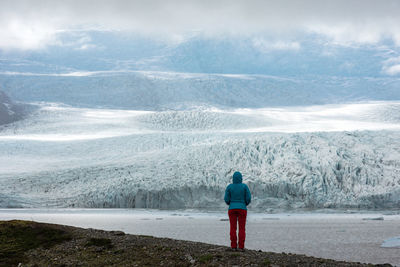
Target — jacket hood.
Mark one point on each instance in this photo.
(237, 178)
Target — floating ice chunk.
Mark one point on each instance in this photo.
(393, 242)
(373, 219)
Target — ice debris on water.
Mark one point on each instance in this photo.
(393, 242)
(374, 219)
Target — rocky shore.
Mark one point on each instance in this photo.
(28, 243)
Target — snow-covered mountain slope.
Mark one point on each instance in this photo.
(311, 157)
(141, 90)
(194, 52)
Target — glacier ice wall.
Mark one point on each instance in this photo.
(185, 159)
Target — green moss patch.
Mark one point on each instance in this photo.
(17, 237)
(205, 258)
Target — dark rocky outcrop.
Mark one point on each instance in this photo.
(11, 111)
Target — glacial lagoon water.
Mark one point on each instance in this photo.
(341, 236)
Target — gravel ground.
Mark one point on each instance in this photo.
(90, 247)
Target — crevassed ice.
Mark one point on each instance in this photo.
(184, 159)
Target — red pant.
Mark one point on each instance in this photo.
(236, 215)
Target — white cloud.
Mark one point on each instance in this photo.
(266, 46)
(393, 70)
(17, 34)
(33, 24)
(348, 34)
(391, 66)
(77, 40)
(86, 47)
(346, 66)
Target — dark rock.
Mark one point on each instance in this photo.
(117, 233)
(10, 111)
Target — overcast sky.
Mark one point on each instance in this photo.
(34, 24)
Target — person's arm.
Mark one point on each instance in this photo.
(248, 195)
(227, 197)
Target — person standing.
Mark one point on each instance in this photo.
(237, 196)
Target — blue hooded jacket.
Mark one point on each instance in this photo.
(237, 195)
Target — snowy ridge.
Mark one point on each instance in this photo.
(185, 159)
(189, 120)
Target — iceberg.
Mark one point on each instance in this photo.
(393, 242)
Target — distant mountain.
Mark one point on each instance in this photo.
(199, 54)
(10, 111)
(172, 90)
(135, 72)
